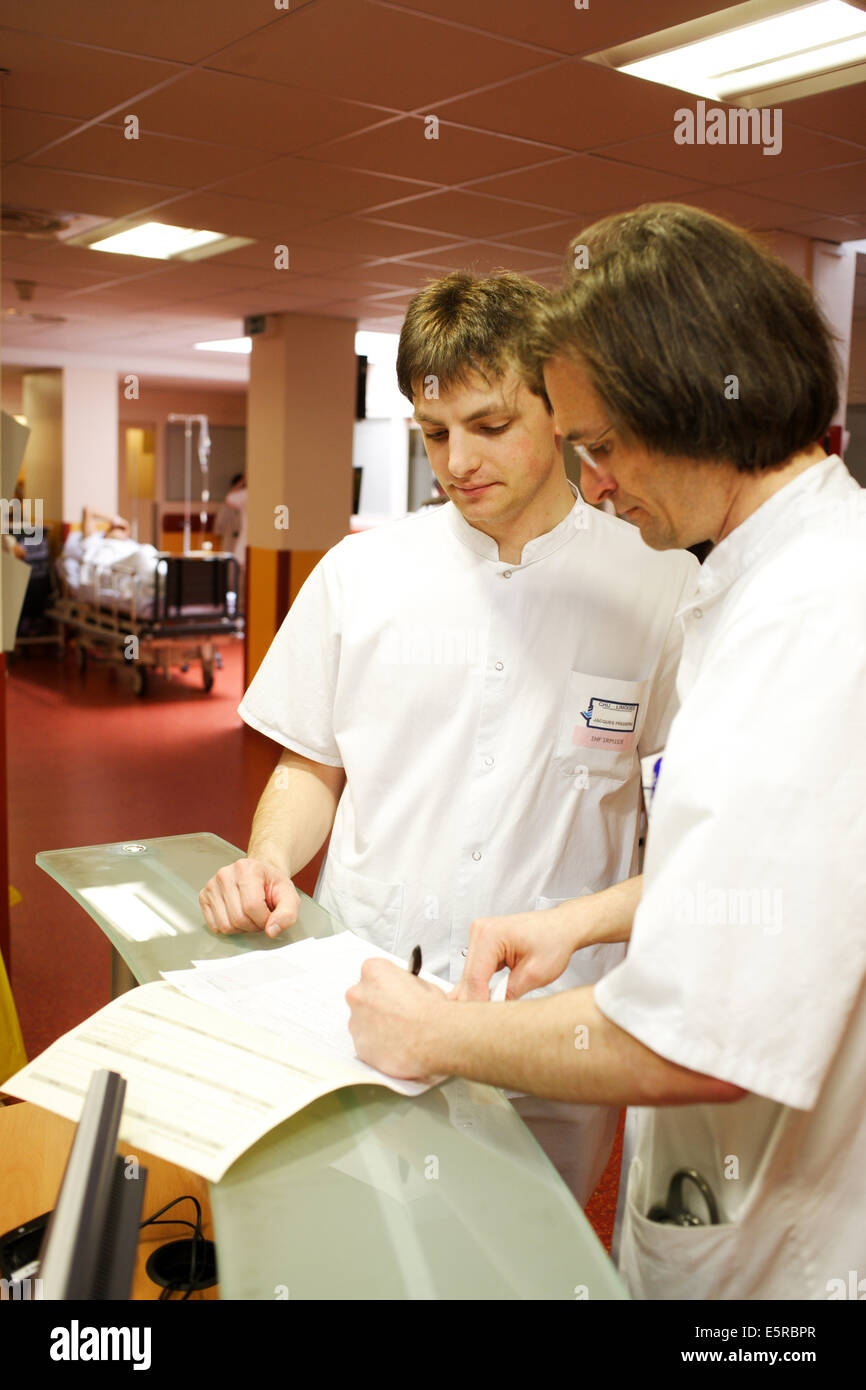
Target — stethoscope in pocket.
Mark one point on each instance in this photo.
(674, 1212)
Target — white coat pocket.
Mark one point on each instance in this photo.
(365, 906)
(658, 1261)
(601, 723)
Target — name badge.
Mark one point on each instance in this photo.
(608, 724)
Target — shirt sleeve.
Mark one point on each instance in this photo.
(291, 697)
(663, 702)
(748, 949)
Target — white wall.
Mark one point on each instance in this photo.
(381, 450)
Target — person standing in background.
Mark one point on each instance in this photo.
(231, 527)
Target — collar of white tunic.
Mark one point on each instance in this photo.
(824, 481)
(536, 549)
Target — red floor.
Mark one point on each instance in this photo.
(90, 763)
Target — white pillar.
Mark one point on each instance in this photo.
(90, 441)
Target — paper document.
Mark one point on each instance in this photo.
(297, 992)
(204, 1084)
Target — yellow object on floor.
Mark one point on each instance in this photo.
(12, 1054)
(14, 896)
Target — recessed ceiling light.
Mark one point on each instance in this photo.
(158, 240)
(226, 345)
(755, 54)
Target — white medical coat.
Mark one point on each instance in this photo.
(748, 953)
(452, 686)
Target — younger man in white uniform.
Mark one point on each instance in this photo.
(486, 674)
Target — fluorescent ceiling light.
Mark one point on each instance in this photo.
(226, 345)
(158, 240)
(755, 54)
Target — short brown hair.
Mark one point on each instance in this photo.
(674, 304)
(463, 323)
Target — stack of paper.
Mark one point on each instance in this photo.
(216, 1062)
(297, 993)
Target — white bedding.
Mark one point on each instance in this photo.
(100, 570)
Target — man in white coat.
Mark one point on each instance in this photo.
(464, 695)
(737, 1021)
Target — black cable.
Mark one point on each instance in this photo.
(197, 1239)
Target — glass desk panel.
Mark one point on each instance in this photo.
(364, 1194)
(144, 896)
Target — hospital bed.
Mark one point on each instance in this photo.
(182, 610)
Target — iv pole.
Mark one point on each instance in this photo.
(203, 455)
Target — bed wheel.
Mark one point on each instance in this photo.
(185, 667)
(139, 680)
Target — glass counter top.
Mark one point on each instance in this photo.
(364, 1194)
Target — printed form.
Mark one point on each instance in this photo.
(216, 1056)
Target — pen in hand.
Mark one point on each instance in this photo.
(415, 962)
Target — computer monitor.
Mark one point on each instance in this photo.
(92, 1236)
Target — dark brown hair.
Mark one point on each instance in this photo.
(672, 305)
(463, 323)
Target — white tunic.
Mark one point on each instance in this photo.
(748, 954)
(452, 687)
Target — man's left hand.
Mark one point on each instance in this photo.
(393, 1013)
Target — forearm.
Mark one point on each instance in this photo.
(295, 812)
(602, 917)
(563, 1048)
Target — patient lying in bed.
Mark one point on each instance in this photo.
(107, 566)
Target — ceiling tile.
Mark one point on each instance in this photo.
(842, 188)
(24, 247)
(103, 265)
(744, 209)
(267, 116)
(378, 54)
(466, 214)
(575, 106)
(52, 277)
(104, 150)
(24, 132)
(802, 151)
(401, 149)
(217, 212)
(480, 258)
(408, 274)
(307, 144)
(370, 238)
(564, 28)
(71, 80)
(841, 113)
(316, 184)
(303, 259)
(161, 28)
(832, 228)
(589, 184)
(551, 241)
(27, 186)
